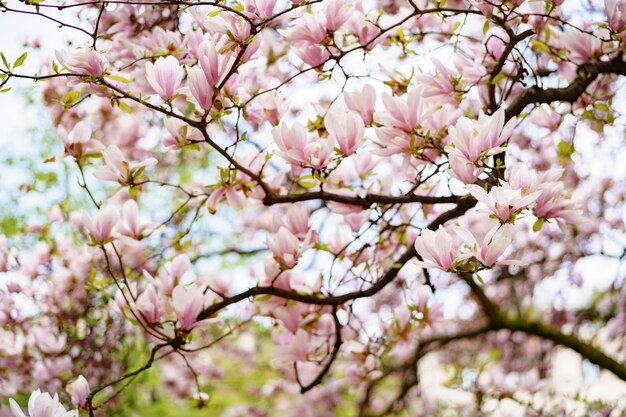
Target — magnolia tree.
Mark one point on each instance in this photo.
(330, 192)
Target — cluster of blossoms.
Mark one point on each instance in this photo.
(311, 164)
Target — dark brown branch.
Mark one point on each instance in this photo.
(587, 73)
(331, 359)
(336, 300)
(365, 202)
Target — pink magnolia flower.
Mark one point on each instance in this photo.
(546, 117)
(357, 220)
(42, 405)
(297, 220)
(165, 76)
(363, 102)
(439, 87)
(368, 33)
(131, 226)
(616, 13)
(187, 302)
(495, 242)
(553, 204)
(149, 305)
(461, 168)
(308, 29)
(476, 139)
(432, 311)
(287, 248)
(234, 28)
(79, 391)
(438, 248)
(181, 133)
(234, 198)
(215, 64)
(103, 224)
(404, 113)
(260, 9)
(504, 203)
(486, 8)
(78, 141)
(174, 272)
(266, 108)
(117, 168)
(347, 129)
(291, 141)
(312, 55)
(80, 134)
(317, 152)
(82, 60)
(199, 87)
(337, 13)
(518, 177)
(580, 46)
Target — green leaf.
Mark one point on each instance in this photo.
(565, 150)
(4, 60)
(602, 107)
(118, 78)
(497, 78)
(538, 224)
(124, 107)
(18, 62)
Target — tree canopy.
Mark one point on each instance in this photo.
(316, 208)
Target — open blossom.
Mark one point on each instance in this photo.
(234, 198)
(83, 60)
(493, 245)
(439, 249)
(439, 87)
(173, 272)
(200, 88)
(165, 76)
(291, 141)
(462, 168)
(42, 405)
(117, 168)
(616, 13)
(404, 113)
(308, 29)
(131, 226)
(362, 26)
(475, 139)
(581, 47)
(313, 55)
(337, 13)
(287, 248)
(317, 152)
(149, 305)
(363, 102)
(297, 220)
(78, 141)
(266, 108)
(503, 203)
(187, 302)
(79, 391)
(261, 9)
(214, 63)
(553, 204)
(347, 129)
(103, 224)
